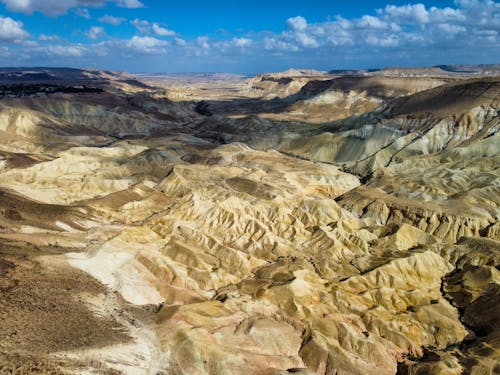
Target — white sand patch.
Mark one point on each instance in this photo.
(114, 265)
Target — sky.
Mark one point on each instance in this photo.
(247, 37)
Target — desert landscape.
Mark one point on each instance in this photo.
(306, 222)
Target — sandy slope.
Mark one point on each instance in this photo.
(139, 237)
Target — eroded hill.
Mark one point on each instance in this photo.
(164, 241)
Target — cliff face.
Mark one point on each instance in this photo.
(213, 245)
(424, 123)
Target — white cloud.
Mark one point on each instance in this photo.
(48, 38)
(408, 13)
(451, 30)
(446, 15)
(147, 44)
(384, 41)
(411, 34)
(242, 42)
(57, 7)
(83, 12)
(11, 30)
(161, 31)
(202, 42)
(29, 43)
(142, 25)
(412, 26)
(201, 46)
(228, 46)
(95, 32)
(280, 45)
(146, 27)
(342, 22)
(180, 42)
(340, 39)
(130, 4)
(48, 7)
(371, 22)
(298, 23)
(115, 21)
(306, 41)
(67, 51)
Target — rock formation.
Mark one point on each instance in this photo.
(362, 240)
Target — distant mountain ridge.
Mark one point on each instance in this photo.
(437, 70)
(65, 76)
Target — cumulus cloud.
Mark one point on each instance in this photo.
(227, 46)
(371, 22)
(279, 45)
(161, 31)
(451, 30)
(180, 42)
(202, 42)
(58, 7)
(49, 38)
(11, 30)
(306, 40)
(147, 44)
(146, 27)
(411, 26)
(95, 32)
(409, 34)
(298, 23)
(83, 12)
(416, 13)
(115, 21)
(384, 41)
(67, 51)
(130, 4)
(141, 25)
(242, 42)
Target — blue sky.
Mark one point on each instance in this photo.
(247, 36)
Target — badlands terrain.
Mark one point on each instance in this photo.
(305, 222)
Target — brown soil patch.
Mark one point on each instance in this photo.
(41, 312)
(16, 209)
